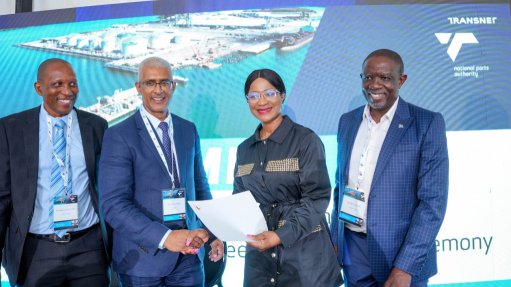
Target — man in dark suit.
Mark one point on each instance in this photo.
(150, 167)
(393, 156)
(50, 232)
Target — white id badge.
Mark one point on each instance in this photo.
(174, 204)
(65, 212)
(353, 206)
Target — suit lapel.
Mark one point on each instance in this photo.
(89, 153)
(87, 143)
(399, 125)
(31, 142)
(350, 139)
(146, 139)
(179, 142)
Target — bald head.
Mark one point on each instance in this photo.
(389, 54)
(154, 63)
(57, 84)
(43, 67)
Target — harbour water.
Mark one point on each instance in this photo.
(18, 66)
(213, 99)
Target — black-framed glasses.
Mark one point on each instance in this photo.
(164, 84)
(267, 94)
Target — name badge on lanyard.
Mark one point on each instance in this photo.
(174, 205)
(353, 206)
(65, 212)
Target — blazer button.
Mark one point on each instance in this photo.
(273, 255)
(272, 280)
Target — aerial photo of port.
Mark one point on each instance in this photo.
(203, 41)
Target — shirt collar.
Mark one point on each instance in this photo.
(43, 115)
(155, 122)
(389, 115)
(279, 134)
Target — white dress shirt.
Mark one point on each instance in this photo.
(364, 156)
(155, 122)
(41, 222)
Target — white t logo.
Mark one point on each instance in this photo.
(457, 41)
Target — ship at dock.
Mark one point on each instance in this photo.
(116, 107)
(121, 104)
(291, 42)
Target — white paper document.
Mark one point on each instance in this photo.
(231, 218)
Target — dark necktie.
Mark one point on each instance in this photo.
(167, 149)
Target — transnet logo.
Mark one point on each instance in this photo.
(456, 43)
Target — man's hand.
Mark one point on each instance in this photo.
(217, 250)
(176, 241)
(398, 278)
(186, 241)
(197, 237)
(264, 241)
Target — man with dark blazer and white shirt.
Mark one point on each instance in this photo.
(150, 167)
(50, 231)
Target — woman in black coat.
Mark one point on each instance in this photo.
(283, 166)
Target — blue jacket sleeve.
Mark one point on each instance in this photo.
(432, 188)
(202, 191)
(334, 222)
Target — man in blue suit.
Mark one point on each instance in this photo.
(391, 182)
(151, 165)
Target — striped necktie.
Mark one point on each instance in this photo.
(56, 180)
(167, 147)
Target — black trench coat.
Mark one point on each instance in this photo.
(287, 176)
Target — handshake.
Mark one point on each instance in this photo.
(190, 241)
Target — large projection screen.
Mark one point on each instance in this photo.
(457, 58)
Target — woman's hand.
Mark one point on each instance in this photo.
(264, 241)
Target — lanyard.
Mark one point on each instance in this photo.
(156, 143)
(64, 166)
